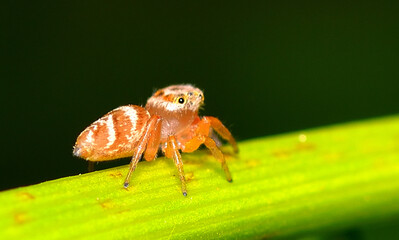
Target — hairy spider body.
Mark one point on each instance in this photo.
(169, 122)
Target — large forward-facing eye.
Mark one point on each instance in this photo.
(181, 100)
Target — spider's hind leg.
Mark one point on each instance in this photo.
(90, 166)
(145, 138)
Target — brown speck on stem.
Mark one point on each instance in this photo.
(116, 175)
(305, 146)
(106, 204)
(25, 196)
(282, 153)
(252, 163)
(20, 218)
(189, 176)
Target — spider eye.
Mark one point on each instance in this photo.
(181, 100)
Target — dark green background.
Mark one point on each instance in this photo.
(265, 67)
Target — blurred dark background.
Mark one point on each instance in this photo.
(265, 67)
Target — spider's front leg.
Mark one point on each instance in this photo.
(201, 137)
(211, 145)
(218, 126)
(172, 151)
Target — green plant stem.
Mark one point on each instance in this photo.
(327, 178)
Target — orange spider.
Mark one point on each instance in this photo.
(169, 122)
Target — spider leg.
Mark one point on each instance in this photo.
(211, 145)
(90, 166)
(152, 123)
(202, 137)
(212, 134)
(218, 126)
(153, 142)
(172, 151)
(193, 144)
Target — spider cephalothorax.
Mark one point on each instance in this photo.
(176, 98)
(169, 122)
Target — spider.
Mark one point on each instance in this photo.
(169, 122)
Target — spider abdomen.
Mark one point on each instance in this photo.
(114, 135)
